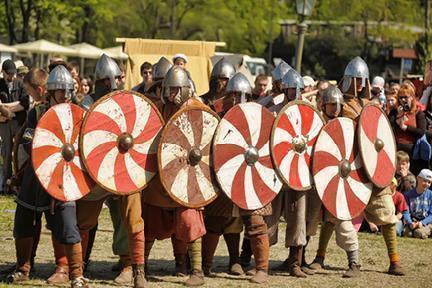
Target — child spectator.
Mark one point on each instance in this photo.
(408, 183)
(402, 168)
(400, 206)
(419, 219)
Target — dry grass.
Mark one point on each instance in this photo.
(416, 257)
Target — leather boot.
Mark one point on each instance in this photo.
(89, 245)
(125, 276)
(139, 276)
(260, 247)
(353, 271)
(74, 255)
(61, 273)
(233, 244)
(294, 260)
(317, 263)
(208, 248)
(396, 269)
(23, 248)
(195, 279)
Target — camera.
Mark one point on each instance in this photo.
(403, 102)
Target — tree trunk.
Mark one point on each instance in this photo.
(10, 22)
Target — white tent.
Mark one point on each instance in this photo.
(44, 47)
(116, 53)
(7, 49)
(85, 50)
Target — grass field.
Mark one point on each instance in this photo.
(416, 258)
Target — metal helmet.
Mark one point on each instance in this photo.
(160, 69)
(223, 69)
(356, 68)
(107, 68)
(281, 69)
(177, 77)
(60, 79)
(239, 84)
(292, 79)
(332, 95)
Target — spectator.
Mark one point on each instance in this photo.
(260, 89)
(15, 101)
(74, 68)
(310, 90)
(402, 167)
(21, 72)
(322, 86)
(377, 91)
(400, 206)
(121, 81)
(181, 61)
(408, 125)
(408, 183)
(146, 74)
(391, 101)
(86, 86)
(394, 88)
(418, 222)
(77, 95)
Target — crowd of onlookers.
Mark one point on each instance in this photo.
(409, 109)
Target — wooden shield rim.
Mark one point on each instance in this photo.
(86, 116)
(275, 166)
(362, 168)
(216, 174)
(182, 110)
(358, 133)
(80, 156)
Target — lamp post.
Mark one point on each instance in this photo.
(304, 8)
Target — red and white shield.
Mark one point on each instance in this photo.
(241, 156)
(184, 156)
(119, 141)
(377, 145)
(337, 170)
(295, 131)
(55, 156)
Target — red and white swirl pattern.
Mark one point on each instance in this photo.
(190, 185)
(298, 122)
(65, 181)
(115, 170)
(380, 165)
(345, 198)
(249, 186)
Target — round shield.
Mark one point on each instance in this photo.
(241, 156)
(119, 141)
(337, 170)
(294, 133)
(377, 145)
(55, 156)
(184, 156)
